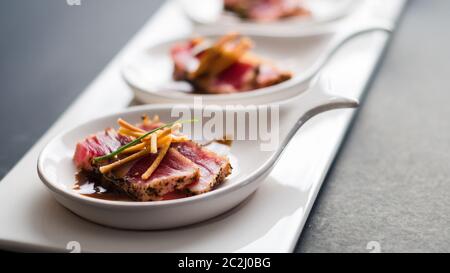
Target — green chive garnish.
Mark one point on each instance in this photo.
(137, 140)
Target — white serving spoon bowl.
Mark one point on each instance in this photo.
(149, 73)
(57, 171)
(209, 14)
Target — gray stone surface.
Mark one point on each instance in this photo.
(391, 182)
(49, 52)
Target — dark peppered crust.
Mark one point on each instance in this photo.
(225, 171)
(219, 178)
(158, 187)
(142, 192)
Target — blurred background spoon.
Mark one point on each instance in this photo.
(149, 73)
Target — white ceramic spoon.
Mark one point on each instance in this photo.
(149, 73)
(57, 171)
(209, 14)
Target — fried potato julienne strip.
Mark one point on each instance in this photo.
(228, 50)
(212, 54)
(251, 58)
(175, 127)
(174, 139)
(161, 139)
(109, 167)
(226, 38)
(150, 144)
(129, 126)
(153, 143)
(140, 146)
(164, 132)
(157, 160)
(135, 148)
(127, 132)
(179, 138)
(229, 55)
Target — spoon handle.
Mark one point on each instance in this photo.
(341, 39)
(314, 101)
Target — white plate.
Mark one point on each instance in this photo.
(56, 168)
(209, 15)
(149, 72)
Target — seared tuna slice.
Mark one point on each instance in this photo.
(177, 194)
(97, 145)
(269, 75)
(184, 58)
(213, 168)
(174, 172)
(238, 77)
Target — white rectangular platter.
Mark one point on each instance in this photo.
(271, 220)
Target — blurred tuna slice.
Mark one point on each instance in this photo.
(226, 66)
(266, 10)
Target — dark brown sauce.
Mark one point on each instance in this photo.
(226, 141)
(90, 185)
